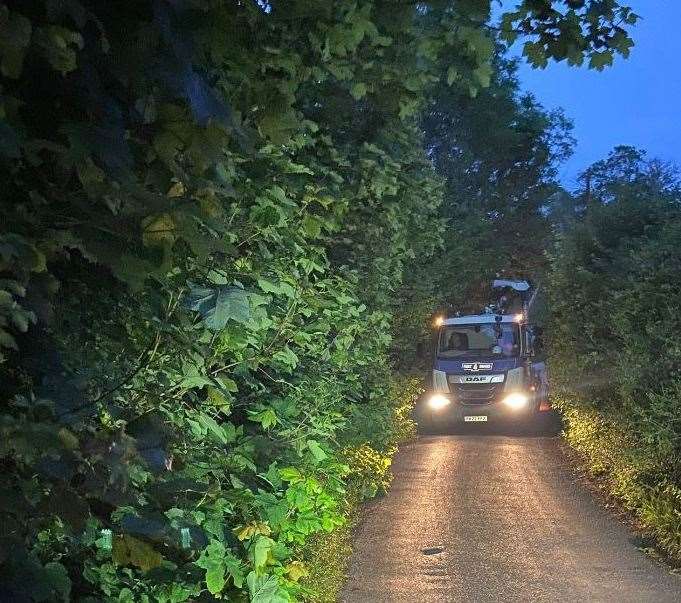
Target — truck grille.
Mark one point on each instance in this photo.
(477, 393)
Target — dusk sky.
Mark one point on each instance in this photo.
(635, 102)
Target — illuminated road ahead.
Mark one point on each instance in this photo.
(496, 518)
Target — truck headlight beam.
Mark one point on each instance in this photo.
(437, 402)
(516, 401)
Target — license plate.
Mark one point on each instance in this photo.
(475, 418)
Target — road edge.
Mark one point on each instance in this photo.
(600, 487)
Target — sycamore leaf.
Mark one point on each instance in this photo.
(234, 567)
(601, 60)
(297, 168)
(286, 358)
(536, 55)
(261, 550)
(126, 596)
(220, 565)
(60, 46)
(215, 578)
(224, 434)
(266, 214)
(211, 560)
(268, 286)
(252, 529)
(228, 384)
(158, 230)
(218, 305)
(291, 475)
(312, 226)
(195, 382)
(277, 288)
(177, 190)
(267, 418)
(279, 128)
(58, 579)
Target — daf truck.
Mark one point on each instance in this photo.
(484, 366)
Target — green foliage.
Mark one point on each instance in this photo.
(614, 345)
(639, 474)
(208, 213)
(218, 305)
(572, 30)
(326, 554)
(498, 155)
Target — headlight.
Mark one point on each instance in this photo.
(516, 400)
(437, 402)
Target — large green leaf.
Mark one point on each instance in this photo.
(316, 450)
(261, 550)
(211, 560)
(279, 127)
(265, 589)
(128, 550)
(220, 564)
(218, 305)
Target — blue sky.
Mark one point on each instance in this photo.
(635, 102)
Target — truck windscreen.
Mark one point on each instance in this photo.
(487, 339)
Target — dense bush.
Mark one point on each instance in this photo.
(326, 554)
(208, 333)
(615, 353)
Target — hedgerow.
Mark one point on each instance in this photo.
(615, 356)
(638, 475)
(327, 554)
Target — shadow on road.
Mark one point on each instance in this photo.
(546, 424)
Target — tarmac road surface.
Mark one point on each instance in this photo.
(496, 518)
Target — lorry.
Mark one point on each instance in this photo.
(484, 367)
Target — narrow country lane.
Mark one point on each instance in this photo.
(495, 518)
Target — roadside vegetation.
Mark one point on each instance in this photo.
(614, 338)
(224, 224)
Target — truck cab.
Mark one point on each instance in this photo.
(484, 369)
